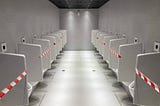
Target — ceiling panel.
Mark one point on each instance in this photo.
(79, 4)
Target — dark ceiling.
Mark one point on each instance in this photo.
(79, 4)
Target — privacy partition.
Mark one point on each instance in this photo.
(33, 61)
(106, 49)
(146, 90)
(46, 52)
(114, 52)
(127, 62)
(53, 46)
(13, 82)
(102, 43)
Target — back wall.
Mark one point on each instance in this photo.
(79, 26)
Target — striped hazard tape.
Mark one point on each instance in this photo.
(12, 84)
(114, 53)
(45, 53)
(148, 81)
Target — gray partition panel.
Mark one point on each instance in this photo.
(104, 47)
(58, 42)
(33, 60)
(114, 45)
(127, 62)
(99, 42)
(107, 52)
(149, 65)
(63, 37)
(11, 66)
(97, 39)
(93, 36)
(53, 46)
(45, 44)
(64, 34)
(102, 44)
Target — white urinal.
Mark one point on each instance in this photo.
(29, 87)
(131, 89)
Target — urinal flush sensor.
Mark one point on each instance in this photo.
(157, 46)
(136, 40)
(3, 47)
(23, 39)
(35, 36)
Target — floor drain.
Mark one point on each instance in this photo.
(93, 70)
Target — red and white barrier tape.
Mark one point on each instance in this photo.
(114, 53)
(148, 81)
(45, 52)
(12, 84)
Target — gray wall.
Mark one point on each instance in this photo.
(26, 17)
(139, 18)
(79, 27)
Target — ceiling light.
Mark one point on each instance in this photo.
(78, 12)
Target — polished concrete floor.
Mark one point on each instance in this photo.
(79, 78)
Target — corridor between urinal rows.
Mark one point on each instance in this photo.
(79, 78)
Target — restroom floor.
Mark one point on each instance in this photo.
(79, 78)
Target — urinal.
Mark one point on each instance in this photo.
(131, 88)
(29, 88)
